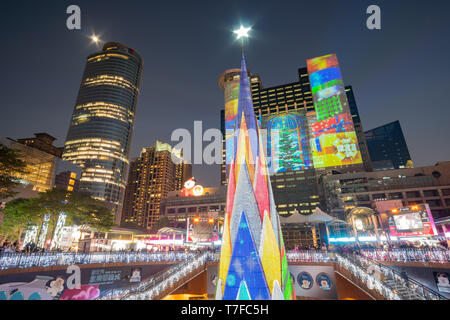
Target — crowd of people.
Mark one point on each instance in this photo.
(10, 247)
(7, 247)
(396, 251)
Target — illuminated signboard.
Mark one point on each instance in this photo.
(408, 222)
(411, 221)
(333, 138)
(287, 142)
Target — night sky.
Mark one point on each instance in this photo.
(398, 73)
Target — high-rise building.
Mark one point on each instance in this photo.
(101, 128)
(44, 170)
(387, 147)
(43, 142)
(291, 109)
(358, 128)
(152, 176)
(67, 180)
(40, 166)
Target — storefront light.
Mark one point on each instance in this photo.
(367, 239)
(343, 239)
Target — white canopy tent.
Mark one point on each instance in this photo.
(318, 216)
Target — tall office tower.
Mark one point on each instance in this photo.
(387, 147)
(152, 176)
(101, 128)
(358, 128)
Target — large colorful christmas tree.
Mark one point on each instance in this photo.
(253, 263)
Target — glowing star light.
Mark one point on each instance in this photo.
(94, 38)
(242, 32)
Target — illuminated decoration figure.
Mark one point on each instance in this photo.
(192, 189)
(253, 264)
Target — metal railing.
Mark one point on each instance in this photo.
(47, 259)
(388, 282)
(407, 255)
(309, 256)
(158, 284)
(407, 287)
(367, 277)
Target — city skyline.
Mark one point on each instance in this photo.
(382, 77)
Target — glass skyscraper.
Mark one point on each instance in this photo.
(387, 147)
(101, 128)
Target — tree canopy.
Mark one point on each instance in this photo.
(80, 209)
(10, 165)
(19, 214)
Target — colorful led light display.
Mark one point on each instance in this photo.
(333, 139)
(253, 263)
(287, 142)
(323, 138)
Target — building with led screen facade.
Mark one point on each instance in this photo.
(101, 128)
(333, 142)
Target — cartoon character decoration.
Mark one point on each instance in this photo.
(442, 281)
(56, 287)
(192, 189)
(305, 280)
(46, 288)
(324, 282)
(135, 275)
(85, 292)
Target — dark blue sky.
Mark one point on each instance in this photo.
(398, 73)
